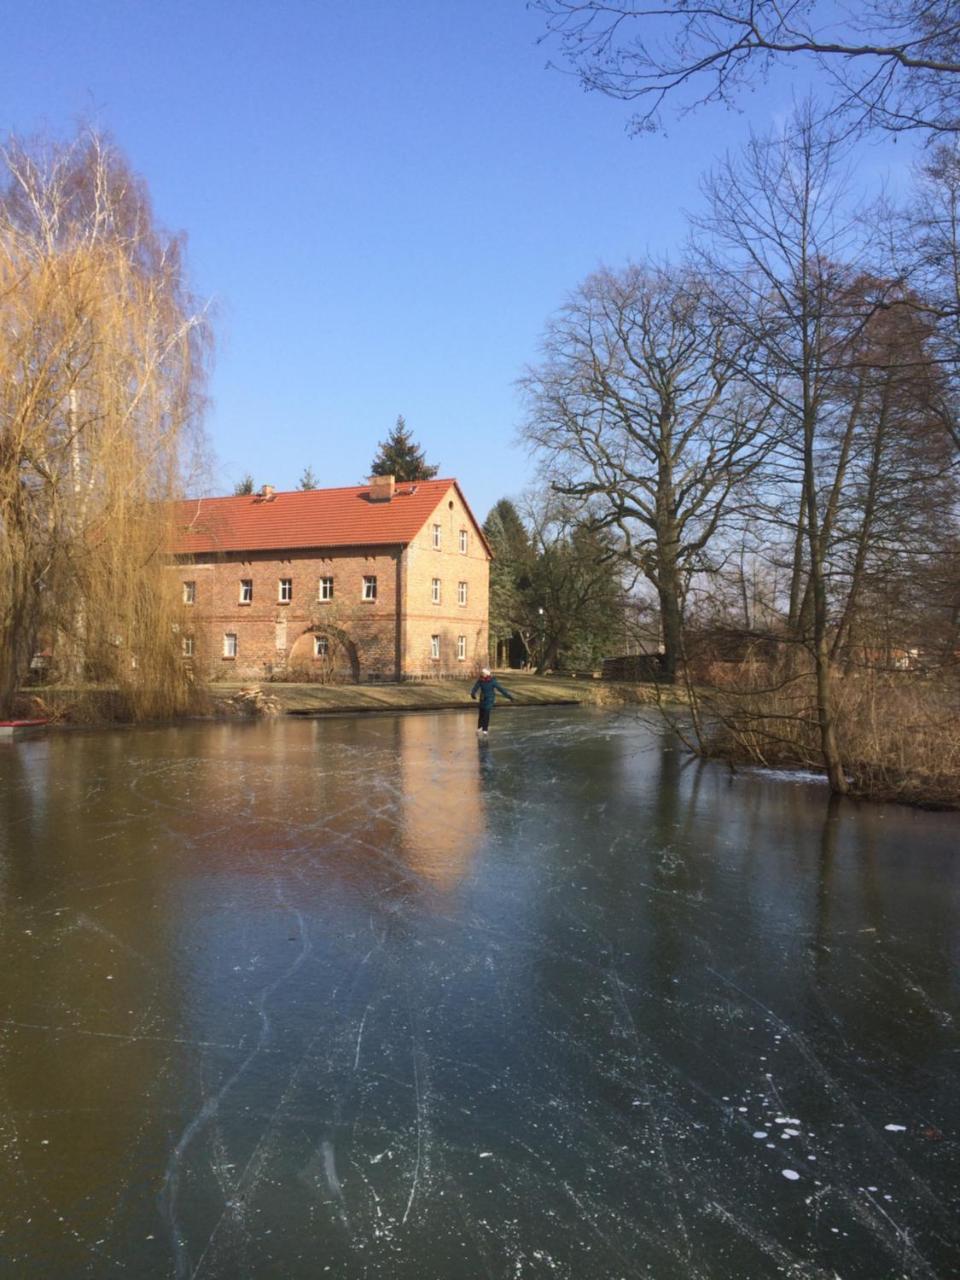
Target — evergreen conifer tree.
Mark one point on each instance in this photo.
(555, 586)
(308, 480)
(401, 457)
(509, 575)
(245, 487)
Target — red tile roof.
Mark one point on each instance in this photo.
(309, 518)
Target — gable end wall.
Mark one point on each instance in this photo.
(422, 562)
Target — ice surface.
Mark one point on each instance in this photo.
(371, 998)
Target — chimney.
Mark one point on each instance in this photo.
(267, 492)
(381, 488)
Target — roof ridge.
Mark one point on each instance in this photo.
(289, 493)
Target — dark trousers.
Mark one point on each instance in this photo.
(483, 717)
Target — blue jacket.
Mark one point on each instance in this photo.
(488, 691)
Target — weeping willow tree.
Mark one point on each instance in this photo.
(101, 370)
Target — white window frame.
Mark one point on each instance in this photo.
(462, 594)
(435, 590)
(321, 647)
(325, 588)
(435, 648)
(461, 648)
(369, 592)
(190, 591)
(186, 646)
(463, 542)
(246, 591)
(231, 644)
(437, 536)
(284, 591)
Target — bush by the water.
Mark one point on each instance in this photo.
(898, 731)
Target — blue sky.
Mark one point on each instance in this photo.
(384, 202)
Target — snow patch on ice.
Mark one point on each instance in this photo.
(789, 775)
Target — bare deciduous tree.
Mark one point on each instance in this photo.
(638, 411)
(895, 63)
(780, 238)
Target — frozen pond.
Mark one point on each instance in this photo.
(368, 998)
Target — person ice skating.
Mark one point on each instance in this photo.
(487, 687)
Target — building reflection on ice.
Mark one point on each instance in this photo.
(397, 798)
(442, 809)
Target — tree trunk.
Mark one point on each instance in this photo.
(797, 576)
(829, 746)
(668, 547)
(844, 637)
(17, 642)
(828, 519)
(20, 605)
(953, 637)
(9, 682)
(744, 596)
(828, 733)
(671, 624)
(548, 657)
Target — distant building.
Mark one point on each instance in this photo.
(384, 581)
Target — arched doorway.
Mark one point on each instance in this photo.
(326, 655)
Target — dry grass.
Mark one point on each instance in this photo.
(625, 693)
(94, 706)
(900, 735)
(899, 732)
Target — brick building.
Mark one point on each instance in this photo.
(384, 581)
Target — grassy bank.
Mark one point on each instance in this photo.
(528, 689)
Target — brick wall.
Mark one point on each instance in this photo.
(274, 637)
